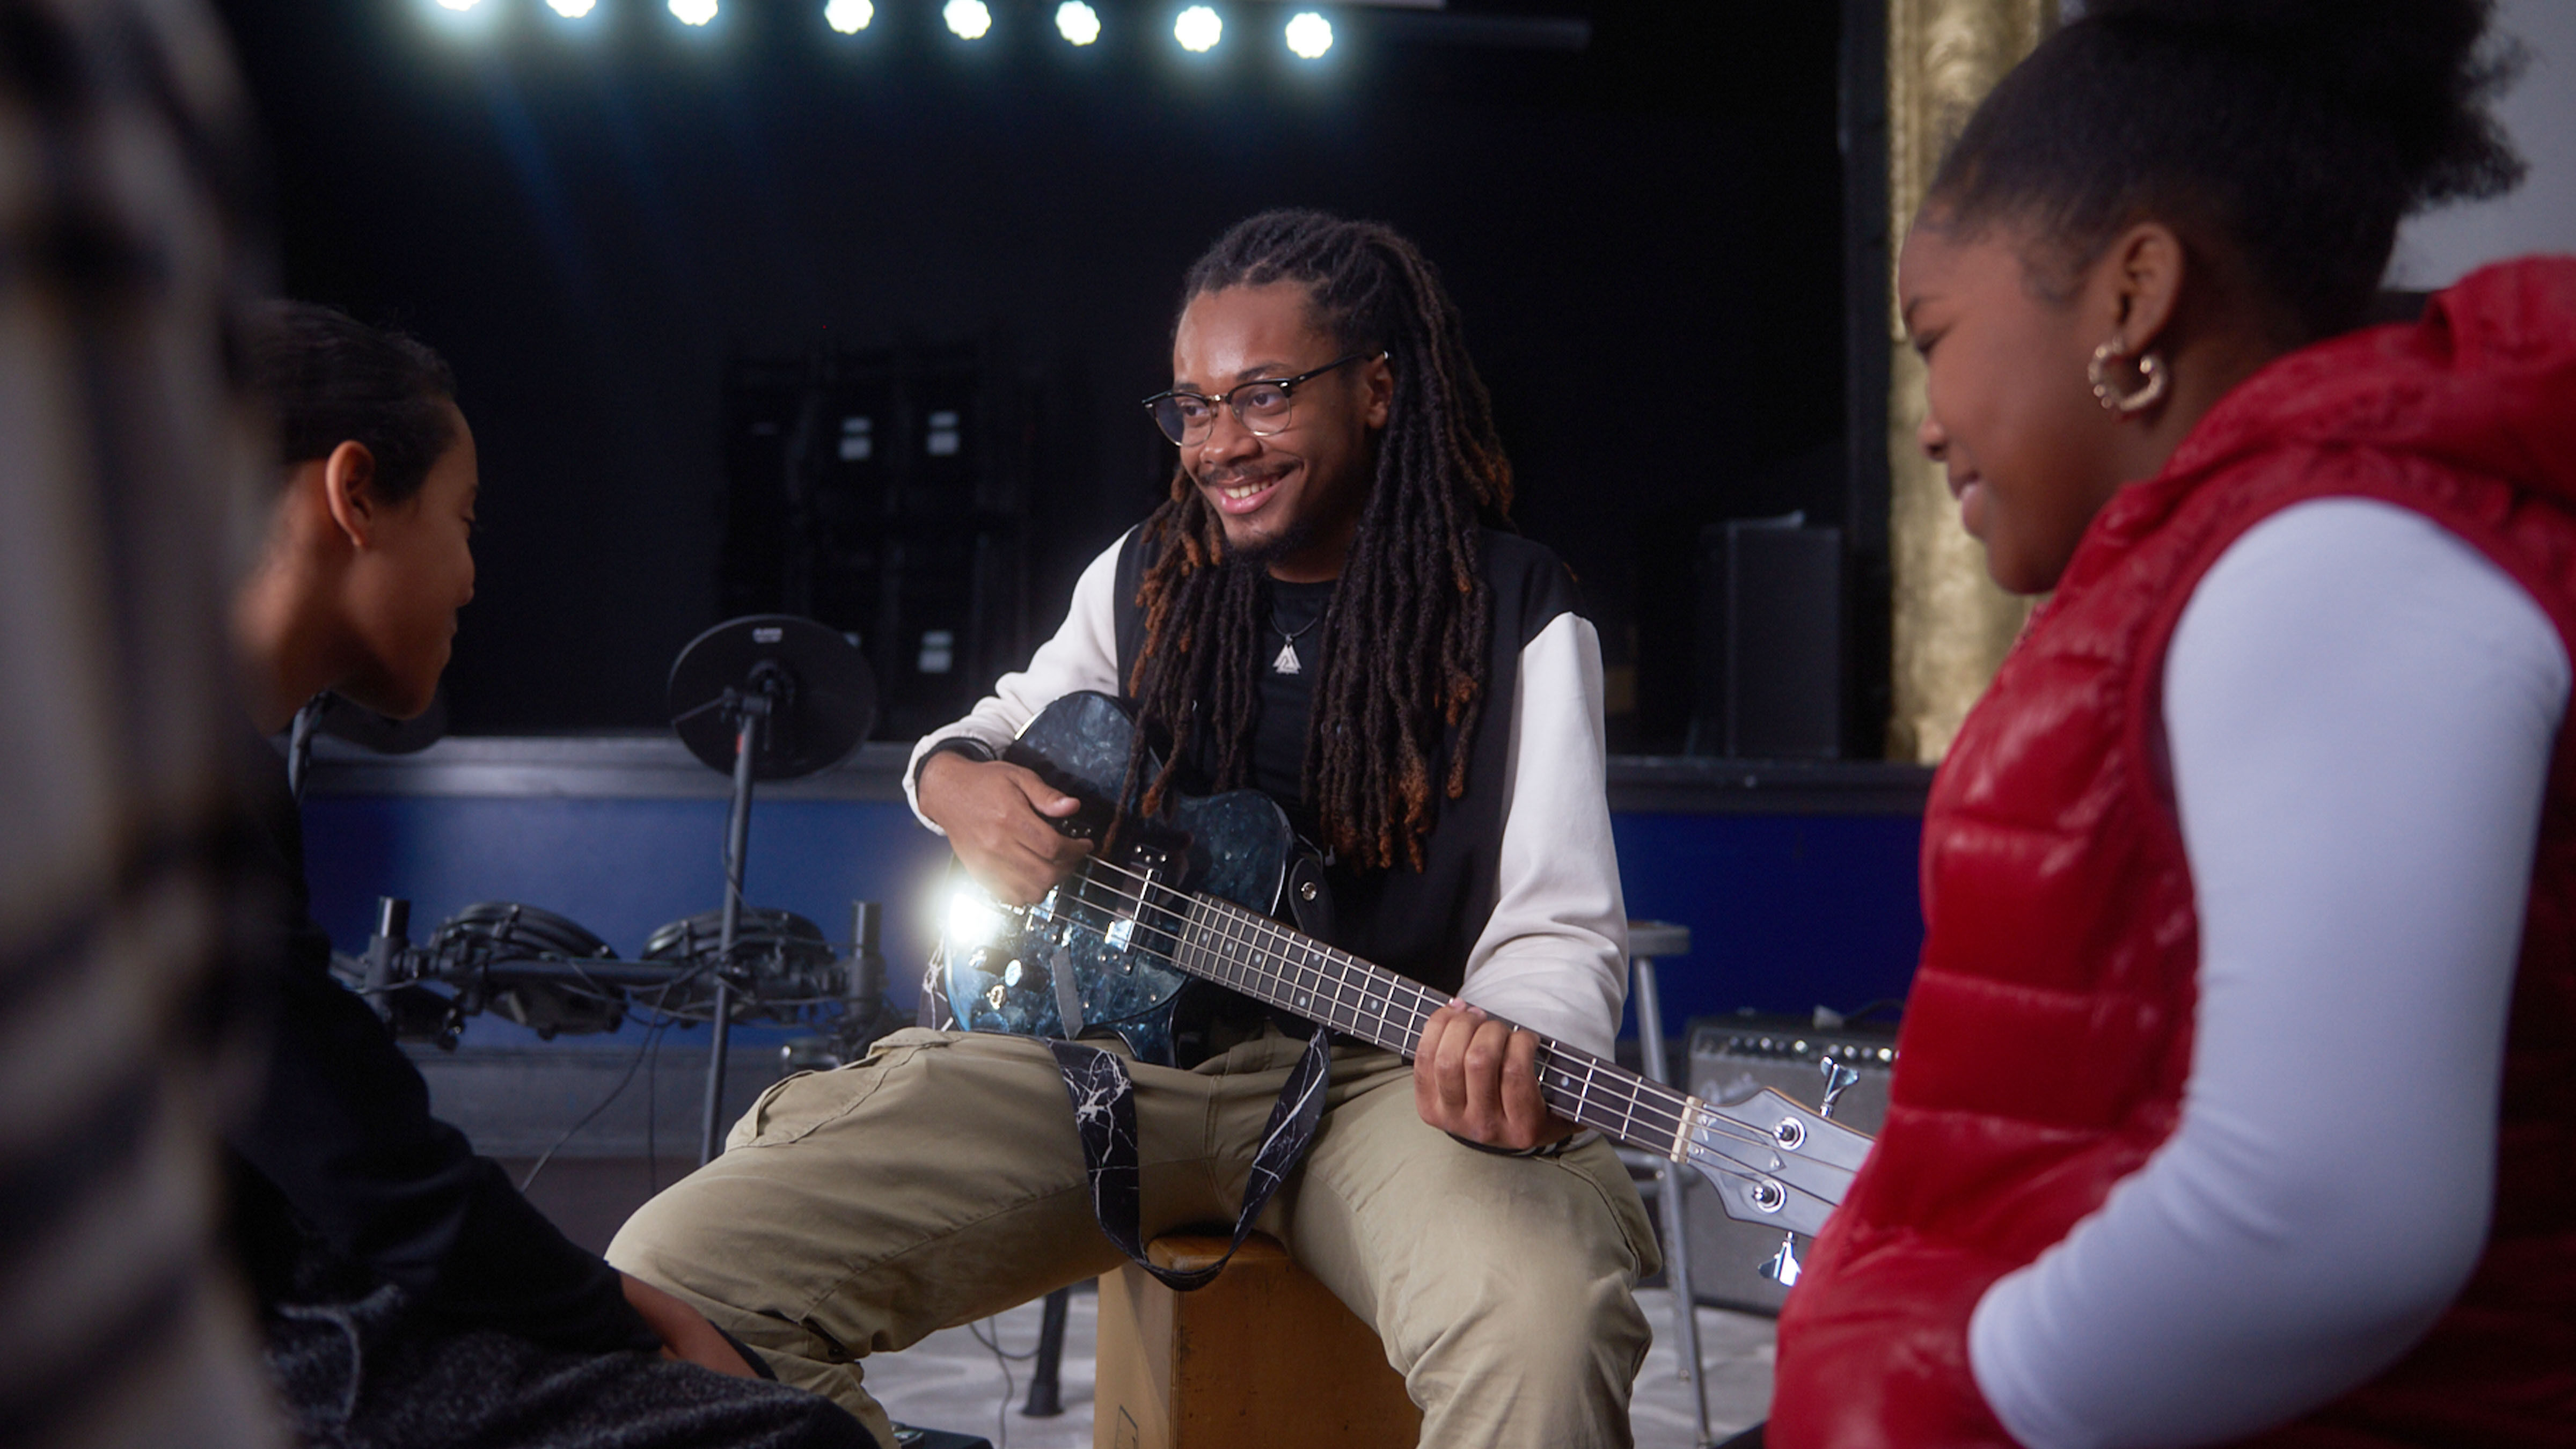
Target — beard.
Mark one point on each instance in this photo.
(1260, 553)
(1321, 512)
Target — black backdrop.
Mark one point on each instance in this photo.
(589, 218)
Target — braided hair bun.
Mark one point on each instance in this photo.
(2291, 134)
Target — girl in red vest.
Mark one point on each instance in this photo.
(2237, 1091)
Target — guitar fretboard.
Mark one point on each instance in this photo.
(1296, 973)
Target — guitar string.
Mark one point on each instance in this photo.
(1332, 985)
(1636, 1101)
(1387, 984)
(1642, 1098)
(1235, 919)
(1335, 978)
(1636, 1093)
(1236, 922)
(1639, 1101)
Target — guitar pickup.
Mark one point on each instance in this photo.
(1122, 931)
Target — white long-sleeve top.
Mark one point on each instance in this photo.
(2360, 710)
(1553, 955)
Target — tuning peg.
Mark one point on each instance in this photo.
(1838, 1079)
(1782, 1267)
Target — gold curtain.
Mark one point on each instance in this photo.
(1952, 624)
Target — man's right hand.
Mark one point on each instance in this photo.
(1000, 820)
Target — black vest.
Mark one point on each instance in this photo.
(1421, 924)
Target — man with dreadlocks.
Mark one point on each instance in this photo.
(1329, 608)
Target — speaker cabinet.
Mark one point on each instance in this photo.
(1733, 1057)
(884, 492)
(1771, 640)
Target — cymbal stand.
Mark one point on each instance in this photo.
(748, 713)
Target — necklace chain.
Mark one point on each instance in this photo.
(1287, 661)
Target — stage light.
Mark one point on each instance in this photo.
(969, 18)
(1077, 22)
(463, 17)
(572, 9)
(694, 12)
(849, 16)
(1198, 29)
(1309, 35)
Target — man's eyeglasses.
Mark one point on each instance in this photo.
(1262, 405)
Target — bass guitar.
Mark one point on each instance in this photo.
(1195, 895)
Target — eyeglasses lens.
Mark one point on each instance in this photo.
(1182, 418)
(1186, 417)
(1264, 409)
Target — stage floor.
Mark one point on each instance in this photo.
(951, 1381)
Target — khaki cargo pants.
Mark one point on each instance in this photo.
(939, 1181)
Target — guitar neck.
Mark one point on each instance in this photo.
(1296, 973)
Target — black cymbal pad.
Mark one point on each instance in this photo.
(822, 697)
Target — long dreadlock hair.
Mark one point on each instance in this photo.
(1406, 638)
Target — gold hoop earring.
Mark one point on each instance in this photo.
(2151, 390)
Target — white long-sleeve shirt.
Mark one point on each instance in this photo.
(2360, 710)
(1553, 955)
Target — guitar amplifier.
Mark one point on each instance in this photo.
(1733, 1057)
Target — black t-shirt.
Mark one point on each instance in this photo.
(343, 1148)
(1294, 616)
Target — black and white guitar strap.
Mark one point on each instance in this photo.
(1104, 1116)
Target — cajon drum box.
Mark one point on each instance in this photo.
(1263, 1356)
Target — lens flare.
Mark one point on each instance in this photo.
(572, 9)
(849, 16)
(1198, 29)
(971, 19)
(973, 920)
(1077, 22)
(1309, 35)
(694, 12)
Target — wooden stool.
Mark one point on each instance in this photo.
(1265, 1355)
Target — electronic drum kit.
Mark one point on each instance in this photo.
(767, 697)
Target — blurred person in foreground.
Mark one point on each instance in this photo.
(2236, 1097)
(410, 1294)
(123, 164)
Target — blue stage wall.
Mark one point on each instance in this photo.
(1786, 912)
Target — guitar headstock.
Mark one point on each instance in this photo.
(1773, 1160)
(1765, 1201)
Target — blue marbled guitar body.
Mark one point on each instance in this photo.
(1237, 846)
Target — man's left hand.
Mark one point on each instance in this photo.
(1478, 1078)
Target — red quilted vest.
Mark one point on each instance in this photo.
(2049, 1030)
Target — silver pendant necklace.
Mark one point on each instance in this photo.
(1288, 662)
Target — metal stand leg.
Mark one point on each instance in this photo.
(1045, 1393)
(737, 841)
(1671, 1182)
(393, 933)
